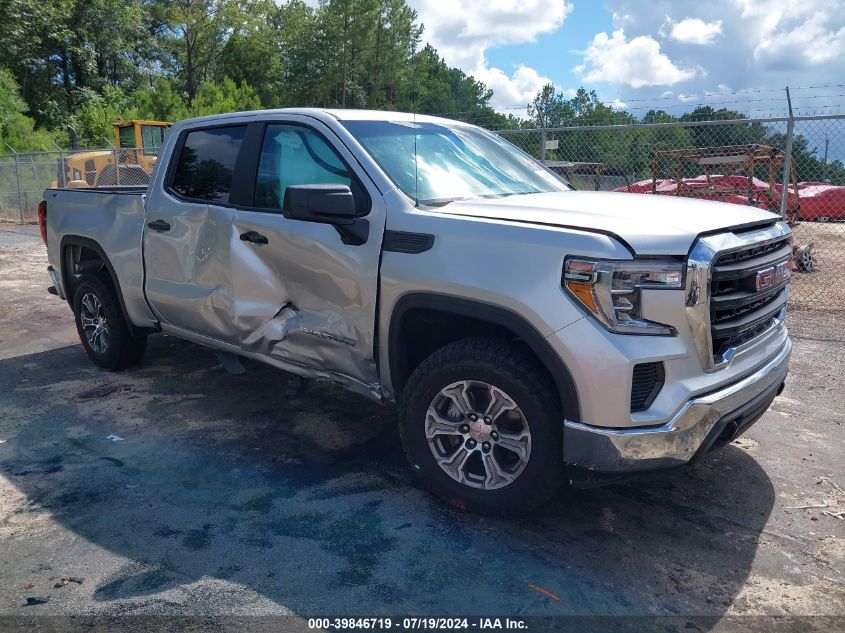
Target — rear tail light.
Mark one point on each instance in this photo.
(42, 220)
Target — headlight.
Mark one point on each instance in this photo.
(610, 290)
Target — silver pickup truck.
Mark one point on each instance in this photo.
(528, 332)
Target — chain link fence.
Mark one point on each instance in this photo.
(744, 161)
(25, 176)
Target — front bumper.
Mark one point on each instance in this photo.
(597, 452)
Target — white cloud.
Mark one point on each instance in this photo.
(620, 19)
(763, 46)
(692, 30)
(463, 30)
(795, 34)
(637, 62)
(618, 104)
(511, 93)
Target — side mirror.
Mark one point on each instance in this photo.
(327, 204)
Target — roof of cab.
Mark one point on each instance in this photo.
(322, 113)
(384, 115)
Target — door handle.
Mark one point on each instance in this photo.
(159, 225)
(255, 237)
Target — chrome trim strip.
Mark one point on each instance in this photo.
(327, 336)
(698, 282)
(613, 450)
(732, 352)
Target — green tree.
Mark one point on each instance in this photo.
(722, 135)
(16, 129)
(92, 124)
(33, 48)
(225, 96)
(57, 50)
(808, 164)
(11, 102)
(436, 88)
(301, 75)
(253, 54)
(160, 102)
(550, 108)
(346, 32)
(389, 72)
(20, 132)
(194, 34)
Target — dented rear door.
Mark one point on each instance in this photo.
(189, 235)
(305, 296)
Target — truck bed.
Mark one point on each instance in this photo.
(111, 218)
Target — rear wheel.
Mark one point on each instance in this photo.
(480, 422)
(101, 326)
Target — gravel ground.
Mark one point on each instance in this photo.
(224, 495)
(822, 290)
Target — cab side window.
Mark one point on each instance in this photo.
(296, 155)
(206, 164)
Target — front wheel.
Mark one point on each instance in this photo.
(101, 326)
(480, 421)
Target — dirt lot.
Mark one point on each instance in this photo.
(822, 289)
(226, 495)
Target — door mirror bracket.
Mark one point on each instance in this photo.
(354, 234)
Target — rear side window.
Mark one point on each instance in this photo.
(207, 163)
(295, 155)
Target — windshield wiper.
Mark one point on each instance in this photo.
(440, 202)
(510, 193)
(493, 196)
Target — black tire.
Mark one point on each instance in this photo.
(121, 349)
(512, 368)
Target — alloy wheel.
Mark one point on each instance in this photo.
(94, 324)
(478, 435)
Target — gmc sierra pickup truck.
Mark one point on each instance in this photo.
(529, 333)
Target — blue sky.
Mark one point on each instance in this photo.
(556, 54)
(673, 54)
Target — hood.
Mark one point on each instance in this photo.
(649, 224)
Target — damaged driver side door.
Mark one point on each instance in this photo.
(305, 291)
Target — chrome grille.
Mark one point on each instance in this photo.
(727, 304)
(738, 311)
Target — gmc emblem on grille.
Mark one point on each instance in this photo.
(772, 276)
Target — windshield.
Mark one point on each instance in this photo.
(452, 162)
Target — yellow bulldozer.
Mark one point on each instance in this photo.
(129, 163)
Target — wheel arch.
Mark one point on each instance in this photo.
(494, 318)
(67, 275)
